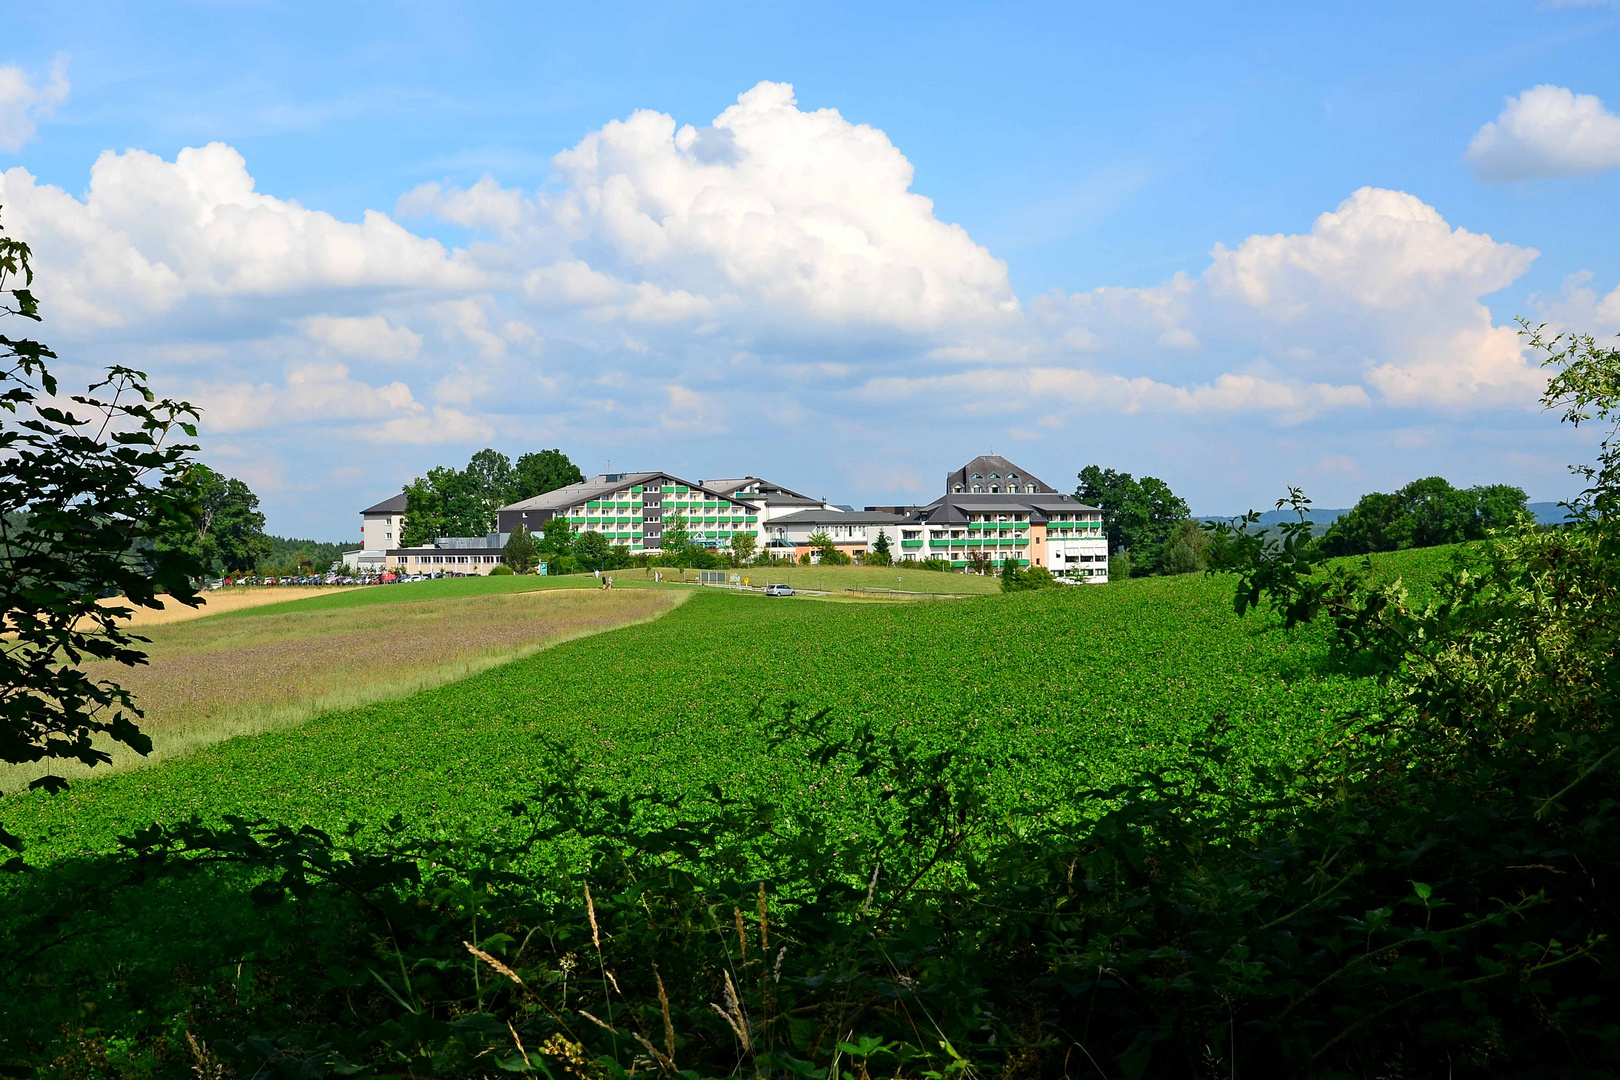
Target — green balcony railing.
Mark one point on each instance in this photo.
(911, 543)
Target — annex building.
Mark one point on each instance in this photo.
(991, 512)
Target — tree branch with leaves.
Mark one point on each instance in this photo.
(89, 489)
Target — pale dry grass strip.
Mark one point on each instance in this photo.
(211, 681)
(219, 602)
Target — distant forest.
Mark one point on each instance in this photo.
(286, 554)
(1546, 513)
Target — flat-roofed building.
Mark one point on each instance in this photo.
(853, 532)
(457, 556)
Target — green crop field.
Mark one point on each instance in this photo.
(1071, 687)
(1044, 695)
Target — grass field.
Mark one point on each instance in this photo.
(836, 579)
(1072, 687)
(253, 668)
(217, 602)
(1046, 694)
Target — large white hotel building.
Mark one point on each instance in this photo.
(992, 511)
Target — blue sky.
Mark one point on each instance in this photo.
(768, 296)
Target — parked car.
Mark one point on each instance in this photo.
(778, 590)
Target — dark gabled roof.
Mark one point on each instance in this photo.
(987, 464)
(729, 487)
(953, 508)
(394, 504)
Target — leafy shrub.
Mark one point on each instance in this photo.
(1024, 579)
(501, 570)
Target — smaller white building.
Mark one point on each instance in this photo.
(382, 528)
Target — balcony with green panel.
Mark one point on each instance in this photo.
(911, 543)
(939, 543)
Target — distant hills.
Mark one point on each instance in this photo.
(1547, 513)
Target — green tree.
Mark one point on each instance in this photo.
(677, 539)
(1026, 579)
(520, 551)
(743, 546)
(86, 483)
(542, 471)
(591, 550)
(558, 537)
(1186, 551)
(1139, 516)
(881, 553)
(1425, 513)
(429, 512)
(230, 527)
(1119, 566)
(1009, 575)
(825, 549)
(458, 502)
(488, 481)
(1365, 527)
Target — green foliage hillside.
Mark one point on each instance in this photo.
(1096, 681)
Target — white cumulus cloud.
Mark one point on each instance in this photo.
(801, 216)
(1547, 131)
(1381, 292)
(368, 337)
(23, 103)
(151, 234)
(327, 396)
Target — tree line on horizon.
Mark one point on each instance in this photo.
(1151, 531)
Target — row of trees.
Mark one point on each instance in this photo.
(1150, 529)
(224, 534)
(1424, 513)
(565, 550)
(462, 502)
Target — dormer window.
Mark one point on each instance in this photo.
(957, 489)
(975, 489)
(995, 476)
(992, 489)
(977, 476)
